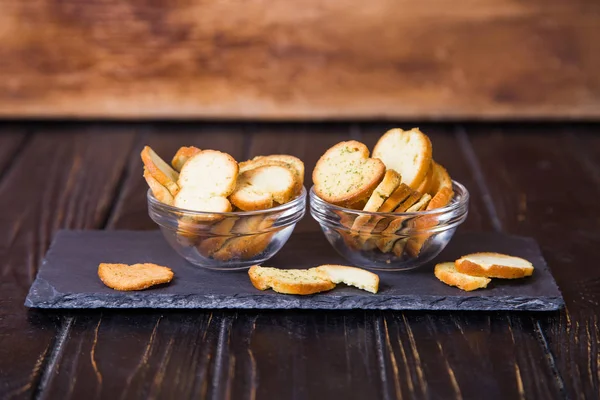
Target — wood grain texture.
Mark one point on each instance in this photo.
(547, 187)
(61, 179)
(512, 173)
(300, 60)
(434, 355)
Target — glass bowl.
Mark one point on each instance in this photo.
(227, 241)
(390, 241)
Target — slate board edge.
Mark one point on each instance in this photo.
(286, 302)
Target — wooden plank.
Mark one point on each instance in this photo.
(12, 140)
(307, 60)
(249, 355)
(175, 354)
(61, 179)
(431, 355)
(542, 186)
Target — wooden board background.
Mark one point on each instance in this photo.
(292, 59)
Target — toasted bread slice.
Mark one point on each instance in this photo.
(345, 174)
(387, 243)
(415, 243)
(351, 276)
(427, 183)
(441, 187)
(399, 246)
(161, 193)
(263, 187)
(160, 170)
(221, 232)
(447, 273)
(189, 199)
(407, 152)
(421, 204)
(289, 281)
(410, 201)
(400, 194)
(278, 159)
(388, 236)
(183, 154)
(247, 243)
(209, 173)
(494, 265)
(133, 277)
(390, 182)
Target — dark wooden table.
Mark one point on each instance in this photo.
(535, 180)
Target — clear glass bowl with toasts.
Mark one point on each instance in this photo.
(393, 211)
(222, 215)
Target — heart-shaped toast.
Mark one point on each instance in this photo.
(345, 174)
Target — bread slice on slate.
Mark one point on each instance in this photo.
(345, 174)
(289, 281)
(447, 273)
(161, 193)
(263, 187)
(351, 276)
(183, 154)
(133, 277)
(292, 162)
(421, 204)
(407, 152)
(494, 265)
(160, 170)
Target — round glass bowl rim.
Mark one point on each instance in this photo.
(452, 206)
(155, 203)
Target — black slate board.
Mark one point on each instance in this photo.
(68, 278)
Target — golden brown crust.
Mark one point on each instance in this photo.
(364, 224)
(161, 193)
(400, 194)
(345, 175)
(445, 273)
(221, 233)
(427, 183)
(133, 277)
(160, 170)
(408, 152)
(409, 202)
(263, 187)
(250, 243)
(465, 266)
(264, 278)
(209, 173)
(294, 163)
(183, 154)
(441, 199)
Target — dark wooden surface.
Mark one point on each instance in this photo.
(536, 180)
(302, 60)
